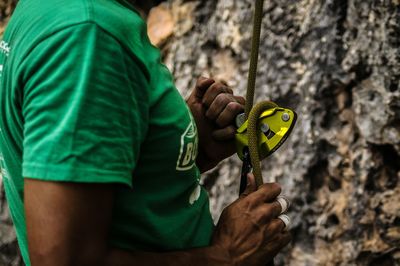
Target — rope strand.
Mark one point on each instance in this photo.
(255, 44)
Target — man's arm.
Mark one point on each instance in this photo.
(68, 224)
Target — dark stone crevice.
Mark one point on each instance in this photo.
(362, 72)
(384, 174)
(203, 11)
(290, 100)
(333, 220)
(334, 184)
(382, 260)
(339, 8)
(318, 175)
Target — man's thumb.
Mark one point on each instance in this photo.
(251, 185)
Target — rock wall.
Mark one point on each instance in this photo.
(337, 63)
(9, 252)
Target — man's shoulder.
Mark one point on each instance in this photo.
(119, 20)
(35, 20)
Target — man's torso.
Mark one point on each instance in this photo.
(165, 208)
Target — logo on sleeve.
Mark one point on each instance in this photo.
(5, 48)
(188, 150)
(3, 171)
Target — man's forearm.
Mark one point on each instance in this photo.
(210, 256)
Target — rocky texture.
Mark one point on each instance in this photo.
(6, 8)
(9, 252)
(337, 63)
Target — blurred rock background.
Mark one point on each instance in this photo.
(337, 63)
(9, 252)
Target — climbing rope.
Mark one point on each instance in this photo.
(253, 113)
(273, 121)
(255, 44)
(253, 138)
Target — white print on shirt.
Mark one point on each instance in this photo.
(3, 171)
(195, 195)
(188, 150)
(5, 48)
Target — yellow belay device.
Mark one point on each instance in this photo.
(258, 137)
(275, 125)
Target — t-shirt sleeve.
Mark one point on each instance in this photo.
(84, 108)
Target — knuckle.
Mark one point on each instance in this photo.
(278, 224)
(275, 186)
(201, 80)
(218, 86)
(221, 99)
(270, 190)
(241, 99)
(211, 92)
(275, 210)
(265, 188)
(269, 187)
(223, 87)
(232, 107)
(266, 212)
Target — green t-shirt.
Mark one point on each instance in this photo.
(85, 98)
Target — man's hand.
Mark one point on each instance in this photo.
(249, 229)
(214, 108)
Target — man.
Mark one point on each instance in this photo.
(99, 149)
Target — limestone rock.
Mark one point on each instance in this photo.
(160, 25)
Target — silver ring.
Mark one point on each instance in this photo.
(284, 202)
(285, 219)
